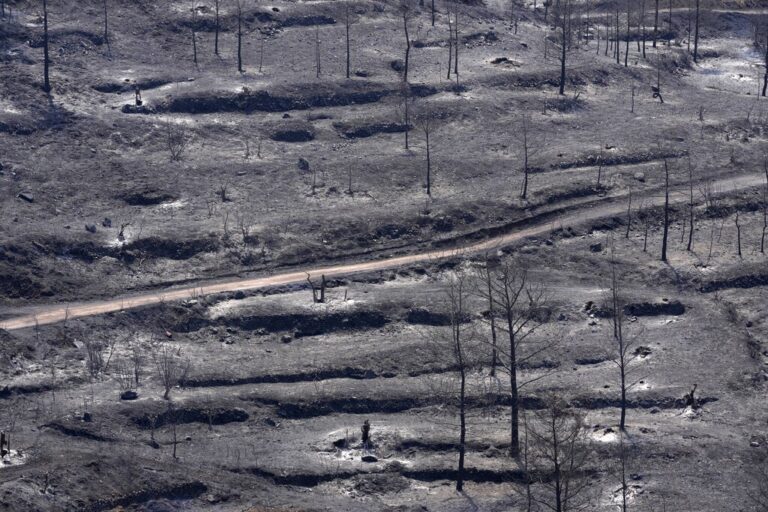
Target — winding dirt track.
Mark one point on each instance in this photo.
(60, 312)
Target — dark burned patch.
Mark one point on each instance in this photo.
(296, 98)
(293, 135)
(574, 193)
(213, 416)
(19, 283)
(145, 84)
(608, 160)
(674, 308)
(74, 430)
(307, 21)
(289, 378)
(369, 130)
(744, 282)
(157, 247)
(311, 325)
(60, 36)
(146, 197)
(300, 410)
(423, 316)
(183, 491)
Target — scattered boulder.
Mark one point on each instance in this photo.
(107, 222)
(303, 164)
(640, 176)
(91, 228)
(286, 338)
(26, 196)
(598, 247)
(369, 458)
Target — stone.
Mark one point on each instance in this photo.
(87, 417)
(91, 228)
(285, 338)
(26, 196)
(598, 247)
(369, 458)
(107, 222)
(640, 176)
(303, 164)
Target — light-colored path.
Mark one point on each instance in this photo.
(60, 312)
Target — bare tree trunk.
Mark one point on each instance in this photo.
(216, 29)
(106, 24)
(618, 36)
(738, 234)
(669, 26)
(629, 214)
(450, 45)
(690, 205)
(429, 164)
(696, 33)
(492, 316)
(765, 207)
(666, 212)
(433, 13)
(194, 47)
(765, 78)
(656, 25)
(346, 23)
(563, 19)
(642, 23)
(629, 29)
(261, 54)
(456, 40)
(239, 37)
(317, 51)
(407, 46)
(46, 59)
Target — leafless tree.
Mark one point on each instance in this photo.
(656, 24)
(194, 46)
(530, 145)
(427, 121)
(666, 212)
(563, 12)
(239, 36)
(624, 346)
(520, 305)
(46, 58)
(738, 234)
(696, 32)
(318, 292)
(94, 362)
(406, 12)
(317, 51)
(765, 206)
(691, 218)
(450, 44)
(176, 139)
(486, 276)
(171, 368)
(456, 344)
(560, 444)
(137, 362)
(216, 27)
(348, 21)
(106, 23)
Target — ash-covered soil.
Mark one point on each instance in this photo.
(285, 169)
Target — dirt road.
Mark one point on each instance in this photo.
(60, 312)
